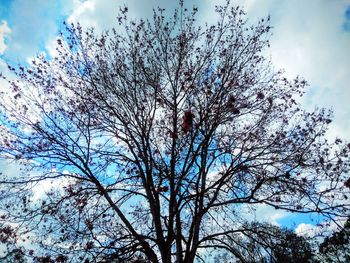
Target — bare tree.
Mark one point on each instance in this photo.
(155, 139)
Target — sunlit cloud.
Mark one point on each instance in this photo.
(311, 39)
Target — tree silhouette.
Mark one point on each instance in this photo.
(263, 242)
(152, 141)
(336, 248)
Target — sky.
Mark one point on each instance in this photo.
(310, 39)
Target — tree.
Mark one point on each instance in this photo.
(336, 247)
(263, 242)
(151, 140)
(292, 248)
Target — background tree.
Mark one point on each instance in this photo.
(336, 247)
(263, 242)
(292, 248)
(152, 139)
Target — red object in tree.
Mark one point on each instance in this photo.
(162, 189)
(173, 135)
(187, 121)
(347, 183)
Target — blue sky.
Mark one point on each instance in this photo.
(310, 38)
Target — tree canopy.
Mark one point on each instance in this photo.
(336, 247)
(153, 140)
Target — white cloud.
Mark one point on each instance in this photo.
(309, 40)
(101, 14)
(306, 230)
(43, 187)
(263, 213)
(86, 14)
(51, 46)
(322, 229)
(4, 32)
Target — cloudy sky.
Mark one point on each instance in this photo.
(310, 38)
